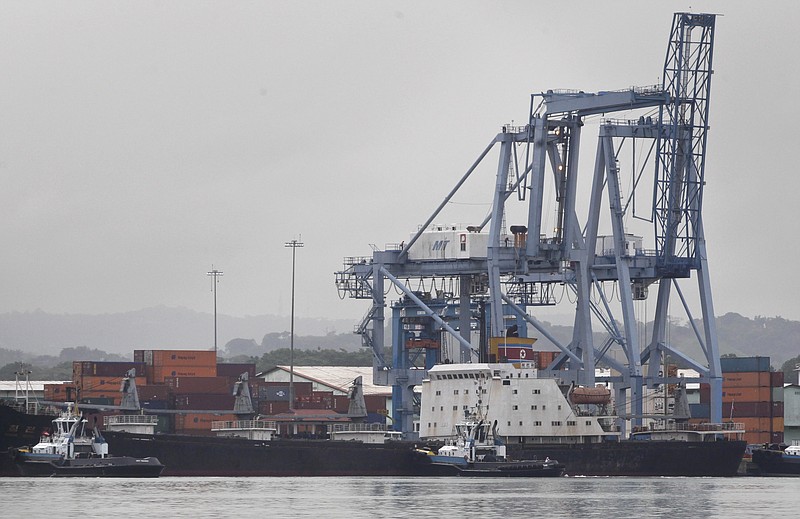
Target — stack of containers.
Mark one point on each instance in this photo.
(751, 395)
(176, 363)
(100, 382)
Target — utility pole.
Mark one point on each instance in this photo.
(294, 244)
(214, 274)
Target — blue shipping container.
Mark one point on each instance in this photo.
(744, 364)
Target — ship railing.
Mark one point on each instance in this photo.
(244, 424)
(130, 419)
(701, 427)
(357, 427)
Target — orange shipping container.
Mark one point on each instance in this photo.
(777, 424)
(755, 424)
(746, 379)
(87, 384)
(200, 420)
(195, 358)
(747, 394)
(757, 437)
(160, 373)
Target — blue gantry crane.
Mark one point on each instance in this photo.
(460, 288)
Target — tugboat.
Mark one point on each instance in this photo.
(478, 451)
(72, 451)
(777, 460)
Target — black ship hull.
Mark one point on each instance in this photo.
(640, 458)
(773, 462)
(185, 455)
(18, 429)
(111, 467)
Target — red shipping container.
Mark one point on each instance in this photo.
(272, 408)
(236, 369)
(215, 385)
(204, 402)
(153, 392)
(776, 378)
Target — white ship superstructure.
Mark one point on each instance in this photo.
(527, 409)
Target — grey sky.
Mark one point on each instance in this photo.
(140, 142)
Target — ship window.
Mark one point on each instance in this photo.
(455, 391)
(433, 409)
(556, 424)
(441, 408)
(544, 407)
(520, 423)
(466, 391)
(506, 382)
(571, 423)
(455, 408)
(559, 407)
(509, 424)
(429, 424)
(463, 247)
(537, 391)
(535, 424)
(466, 407)
(450, 377)
(514, 391)
(438, 393)
(483, 391)
(588, 422)
(533, 407)
(460, 375)
(515, 407)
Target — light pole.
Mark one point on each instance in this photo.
(294, 244)
(215, 274)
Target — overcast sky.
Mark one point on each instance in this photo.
(141, 142)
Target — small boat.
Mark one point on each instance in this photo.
(777, 460)
(70, 450)
(477, 451)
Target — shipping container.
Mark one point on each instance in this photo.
(216, 385)
(375, 403)
(272, 408)
(700, 410)
(758, 438)
(106, 369)
(236, 369)
(153, 392)
(60, 392)
(88, 384)
(747, 394)
(777, 437)
(745, 379)
(138, 355)
(705, 393)
(159, 373)
(776, 378)
(777, 424)
(777, 394)
(777, 409)
(200, 420)
(744, 364)
(185, 358)
(755, 424)
(739, 409)
(200, 401)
